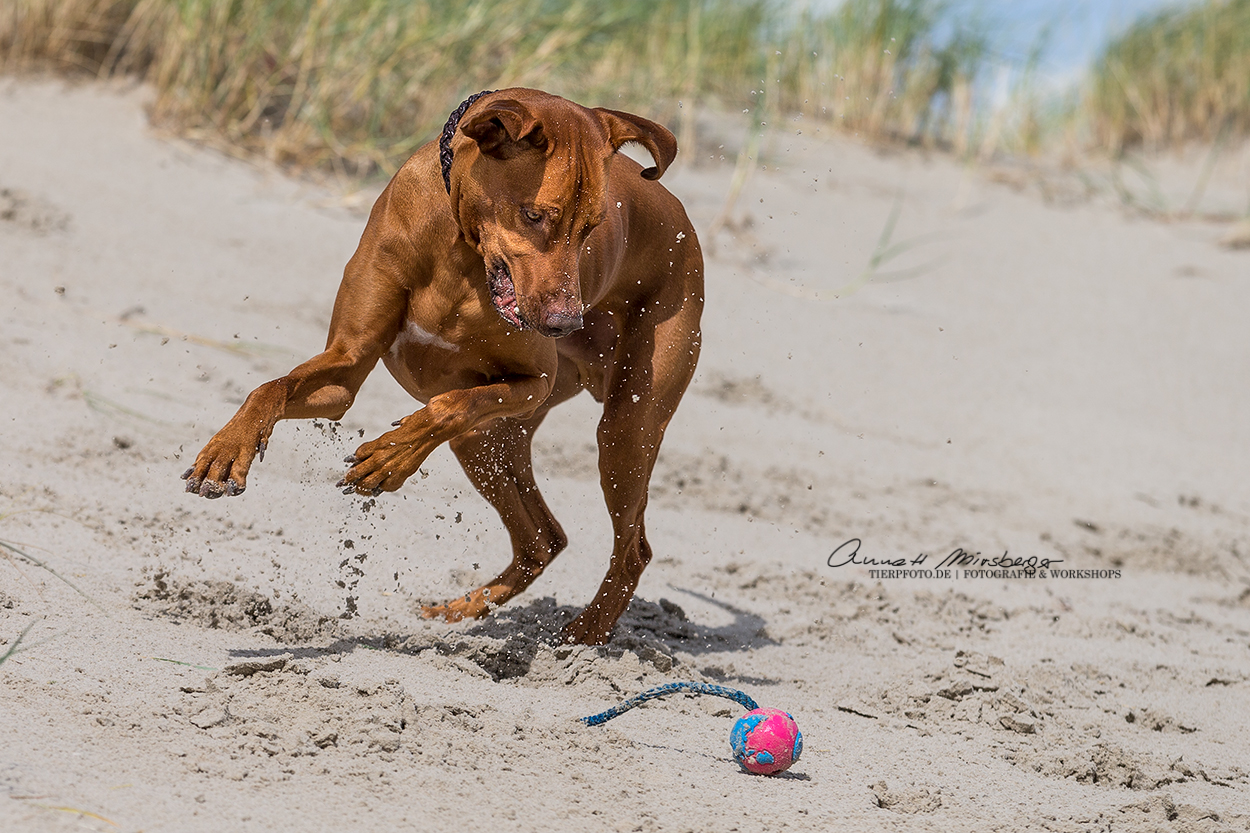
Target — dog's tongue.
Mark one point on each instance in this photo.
(503, 295)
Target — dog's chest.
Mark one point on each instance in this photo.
(420, 359)
(413, 335)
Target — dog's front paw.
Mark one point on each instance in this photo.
(385, 463)
(221, 468)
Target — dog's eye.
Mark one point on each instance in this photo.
(533, 215)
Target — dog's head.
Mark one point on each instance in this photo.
(528, 182)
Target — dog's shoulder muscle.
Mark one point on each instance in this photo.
(411, 222)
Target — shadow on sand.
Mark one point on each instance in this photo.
(505, 644)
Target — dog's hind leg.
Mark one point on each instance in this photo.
(654, 364)
(497, 460)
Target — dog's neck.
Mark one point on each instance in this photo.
(449, 130)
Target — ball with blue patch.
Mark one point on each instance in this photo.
(766, 741)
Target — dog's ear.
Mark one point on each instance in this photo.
(504, 128)
(626, 127)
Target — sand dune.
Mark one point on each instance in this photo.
(1050, 377)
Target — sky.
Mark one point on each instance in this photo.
(1079, 28)
(1076, 29)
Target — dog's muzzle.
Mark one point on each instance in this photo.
(557, 320)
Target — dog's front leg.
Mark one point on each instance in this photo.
(323, 386)
(368, 312)
(383, 465)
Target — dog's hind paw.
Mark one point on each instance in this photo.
(586, 630)
(446, 612)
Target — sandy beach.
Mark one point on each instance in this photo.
(1032, 369)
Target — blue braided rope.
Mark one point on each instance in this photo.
(698, 688)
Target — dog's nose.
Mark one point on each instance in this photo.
(559, 324)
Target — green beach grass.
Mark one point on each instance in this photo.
(356, 85)
(1178, 76)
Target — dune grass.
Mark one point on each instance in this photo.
(9, 549)
(1180, 75)
(13, 551)
(356, 85)
(15, 644)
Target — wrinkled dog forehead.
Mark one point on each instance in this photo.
(507, 124)
(528, 149)
(555, 149)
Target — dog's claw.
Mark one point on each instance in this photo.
(233, 489)
(211, 489)
(260, 450)
(193, 484)
(350, 459)
(187, 474)
(376, 491)
(349, 490)
(397, 423)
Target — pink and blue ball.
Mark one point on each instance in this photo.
(766, 741)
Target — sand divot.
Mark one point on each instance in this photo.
(222, 604)
(31, 214)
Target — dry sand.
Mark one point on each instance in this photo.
(1056, 377)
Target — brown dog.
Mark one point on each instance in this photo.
(497, 278)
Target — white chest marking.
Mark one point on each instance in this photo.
(412, 333)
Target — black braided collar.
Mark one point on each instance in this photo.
(449, 130)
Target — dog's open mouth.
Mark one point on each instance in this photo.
(503, 294)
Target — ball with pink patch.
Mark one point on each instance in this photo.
(766, 741)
